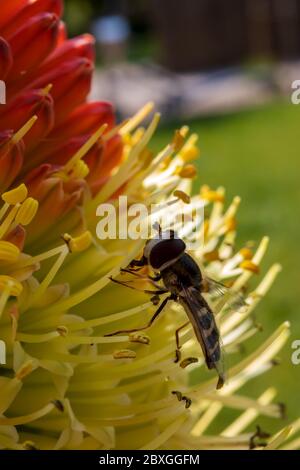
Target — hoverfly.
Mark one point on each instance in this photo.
(183, 280)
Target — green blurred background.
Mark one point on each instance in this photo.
(254, 151)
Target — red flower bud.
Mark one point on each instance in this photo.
(94, 160)
(112, 154)
(62, 33)
(43, 125)
(81, 46)
(32, 43)
(11, 159)
(61, 144)
(6, 59)
(110, 158)
(56, 152)
(17, 237)
(29, 10)
(56, 198)
(35, 53)
(86, 119)
(71, 85)
(23, 108)
(9, 9)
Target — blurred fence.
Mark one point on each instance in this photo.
(198, 34)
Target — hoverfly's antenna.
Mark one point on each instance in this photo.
(168, 234)
(156, 226)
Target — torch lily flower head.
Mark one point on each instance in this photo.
(65, 384)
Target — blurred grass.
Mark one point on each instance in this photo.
(256, 154)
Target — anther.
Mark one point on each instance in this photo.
(177, 356)
(155, 300)
(58, 405)
(29, 445)
(186, 362)
(188, 401)
(124, 354)
(139, 338)
(16, 195)
(177, 394)
(62, 330)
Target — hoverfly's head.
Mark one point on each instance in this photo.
(164, 249)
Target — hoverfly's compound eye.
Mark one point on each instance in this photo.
(165, 252)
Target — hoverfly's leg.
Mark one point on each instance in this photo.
(122, 283)
(134, 272)
(151, 279)
(146, 291)
(155, 278)
(178, 345)
(133, 330)
(157, 292)
(138, 263)
(259, 438)
(156, 226)
(189, 360)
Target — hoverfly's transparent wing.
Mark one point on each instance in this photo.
(221, 366)
(235, 301)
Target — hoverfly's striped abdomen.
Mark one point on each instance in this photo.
(183, 279)
(206, 331)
